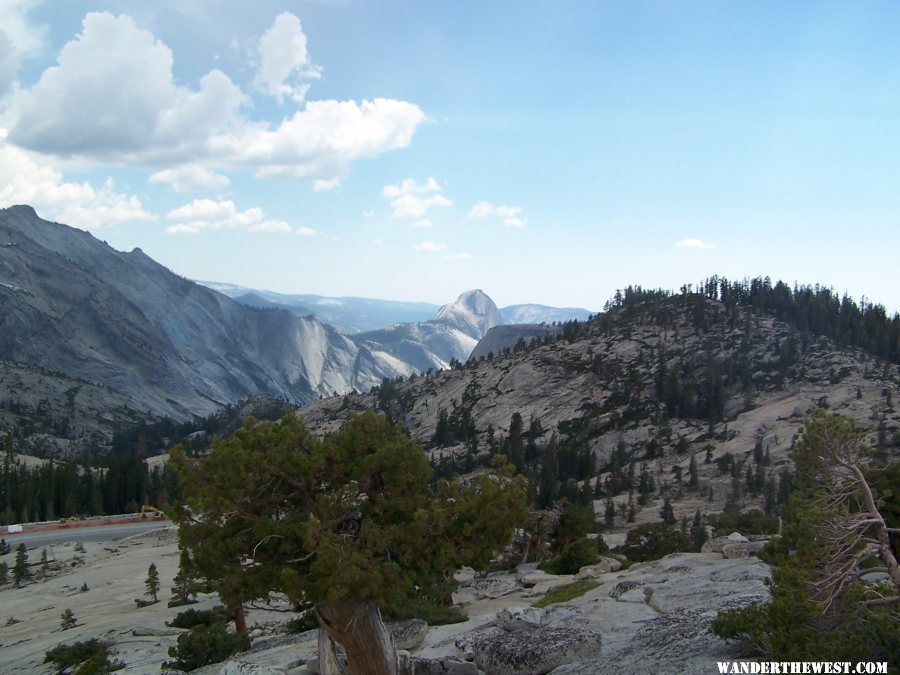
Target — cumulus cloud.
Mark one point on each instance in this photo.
(307, 232)
(23, 180)
(425, 222)
(430, 246)
(9, 63)
(411, 200)
(284, 63)
(26, 38)
(697, 244)
(112, 97)
(207, 214)
(191, 178)
(510, 216)
(462, 255)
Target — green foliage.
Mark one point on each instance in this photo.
(745, 522)
(574, 556)
(184, 585)
(20, 568)
(352, 518)
(190, 618)
(307, 621)
(801, 622)
(566, 592)
(204, 645)
(4, 573)
(67, 620)
(151, 584)
(90, 657)
(430, 611)
(652, 541)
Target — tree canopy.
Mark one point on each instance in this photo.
(350, 521)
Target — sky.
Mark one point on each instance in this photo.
(543, 152)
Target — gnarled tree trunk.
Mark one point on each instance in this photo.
(358, 627)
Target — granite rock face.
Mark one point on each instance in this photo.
(535, 650)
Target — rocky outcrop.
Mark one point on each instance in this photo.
(535, 650)
(473, 312)
(499, 338)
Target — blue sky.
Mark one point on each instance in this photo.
(544, 152)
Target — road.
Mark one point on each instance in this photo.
(41, 538)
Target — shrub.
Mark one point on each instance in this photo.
(190, 618)
(82, 658)
(574, 556)
(430, 611)
(653, 541)
(204, 645)
(745, 522)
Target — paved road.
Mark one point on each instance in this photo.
(85, 535)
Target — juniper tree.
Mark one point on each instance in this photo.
(345, 526)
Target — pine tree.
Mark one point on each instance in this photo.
(184, 584)
(67, 620)
(4, 573)
(20, 568)
(693, 474)
(667, 513)
(152, 583)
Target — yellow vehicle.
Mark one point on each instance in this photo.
(153, 511)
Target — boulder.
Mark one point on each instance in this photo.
(518, 618)
(445, 665)
(408, 634)
(529, 578)
(535, 651)
(241, 668)
(603, 566)
(492, 587)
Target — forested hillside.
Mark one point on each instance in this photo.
(691, 397)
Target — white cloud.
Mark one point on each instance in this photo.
(325, 185)
(284, 61)
(481, 210)
(26, 38)
(430, 246)
(510, 215)
(698, 244)
(23, 180)
(307, 232)
(368, 214)
(206, 214)
(425, 222)
(411, 200)
(9, 63)
(191, 178)
(112, 97)
(462, 255)
(515, 222)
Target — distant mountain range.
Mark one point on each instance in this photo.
(351, 315)
(86, 328)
